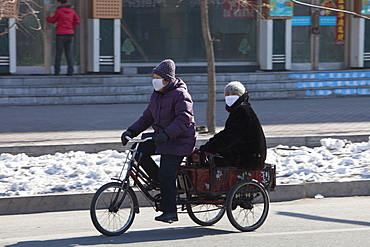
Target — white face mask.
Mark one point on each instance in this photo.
(157, 84)
(231, 99)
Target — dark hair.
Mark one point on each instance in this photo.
(62, 1)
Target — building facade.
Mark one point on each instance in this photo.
(249, 35)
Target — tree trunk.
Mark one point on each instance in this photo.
(208, 42)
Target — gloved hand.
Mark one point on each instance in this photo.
(123, 136)
(160, 139)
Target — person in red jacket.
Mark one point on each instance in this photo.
(67, 20)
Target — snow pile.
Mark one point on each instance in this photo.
(76, 172)
(334, 160)
(73, 172)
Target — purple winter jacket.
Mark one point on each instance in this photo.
(170, 111)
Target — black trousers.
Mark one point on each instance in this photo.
(165, 173)
(64, 43)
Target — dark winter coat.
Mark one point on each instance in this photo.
(66, 18)
(170, 111)
(242, 141)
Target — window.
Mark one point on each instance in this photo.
(156, 29)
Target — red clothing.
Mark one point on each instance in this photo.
(66, 18)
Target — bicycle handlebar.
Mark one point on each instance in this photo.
(139, 140)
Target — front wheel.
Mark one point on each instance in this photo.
(247, 205)
(112, 209)
(205, 214)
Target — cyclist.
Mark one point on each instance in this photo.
(242, 141)
(170, 113)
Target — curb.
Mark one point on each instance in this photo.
(70, 202)
(36, 149)
(327, 189)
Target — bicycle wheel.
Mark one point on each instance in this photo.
(205, 214)
(108, 214)
(247, 205)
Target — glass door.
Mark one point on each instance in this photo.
(318, 36)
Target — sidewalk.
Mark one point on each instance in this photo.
(37, 130)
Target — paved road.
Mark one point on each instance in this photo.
(47, 129)
(120, 116)
(338, 222)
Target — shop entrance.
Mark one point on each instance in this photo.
(318, 36)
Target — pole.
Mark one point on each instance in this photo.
(47, 38)
(83, 7)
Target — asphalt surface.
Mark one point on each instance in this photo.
(77, 124)
(328, 222)
(119, 116)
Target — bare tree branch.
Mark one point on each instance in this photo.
(31, 10)
(331, 9)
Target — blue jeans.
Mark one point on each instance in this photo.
(64, 42)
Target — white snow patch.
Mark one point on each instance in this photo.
(77, 172)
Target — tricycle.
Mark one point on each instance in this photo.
(204, 191)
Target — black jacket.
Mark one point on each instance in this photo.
(242, 142)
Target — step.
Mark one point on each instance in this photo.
(87, 90)
(127, 98)
(93, 89)
(144, 97)
(143, 78)
(91, 79)
(112, 86)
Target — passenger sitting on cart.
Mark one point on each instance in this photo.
(242, 142)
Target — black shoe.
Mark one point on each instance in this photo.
(167, 217)
(69, 74)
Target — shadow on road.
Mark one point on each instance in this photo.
(128, 237)
(320, 218)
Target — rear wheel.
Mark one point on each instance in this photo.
(247, 205)
(205, 214)
(110, 214)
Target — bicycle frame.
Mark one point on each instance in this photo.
(134, 172)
